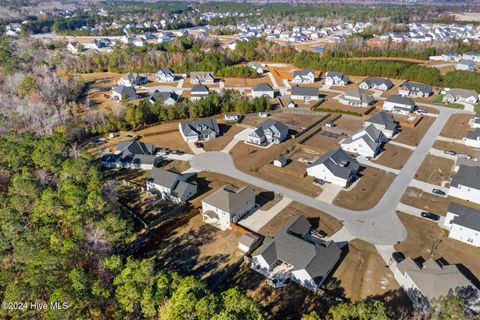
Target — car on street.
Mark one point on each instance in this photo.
(464, 156)
(421, 111)
(398, 256)
(450, 152)
(439, 192)
(430, 215)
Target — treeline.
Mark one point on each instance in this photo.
(422, 54)
(242, 71)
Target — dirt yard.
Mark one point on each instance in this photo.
(227, 132)
(394, 156)
(165, 135)
(413, 136)
(366, 193)
(293, 121)
(99, 85)
(241, 82)
(457, 126)
(322, 142)
(425, 237)
(318, 219)
(426, 201)
(435, 170)
(459, 148)
(349, 124)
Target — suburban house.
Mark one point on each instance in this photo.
(461, 95)
(121, 91)
(376, 83)
(473, 56)
(227, 205)
(336, 167)
(356, 98)
(74, 47)
(466, 184)
(336, 79)
(297, 253)
(165, 75)
(198, 92)
(476, 120)
(463, 223)
(167, 98)
(398, 104)
(132, 155)
(466, 65)
(304, 76)
(414, 89)
(384, 122)
(257, 67)
(248, 242)
(367, 142)
(451, 56)
(473, 138)
(201, 77)
(199, 129)
(280, 161)
(232, 117)
(170, 185)
(132, 80)
(304, 93)
(270, 131)
(263, 90)
(430, 280)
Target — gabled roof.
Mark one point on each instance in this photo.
(340, 163)
(166, 71)
(417, 87)
(462, 93)
(335, 74)
(398, 99)
(199, 88)
(200, 126)
(383, 118)
(466, 216)
(304, 72)
(255, 65)
(163, 96)
(135, 147)
(305, 91)
(359, 94)
(467, 176)
(378, 81)
(369, 135)
(229, 199)
(474, 135)
(261, 87)
(164, 178)
(123, 90)
(469, 63)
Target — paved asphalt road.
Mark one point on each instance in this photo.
(379, 225)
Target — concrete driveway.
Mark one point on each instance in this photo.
(242, 136)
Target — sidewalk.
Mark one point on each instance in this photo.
(403, 145)
(459, 141)
(364, 161)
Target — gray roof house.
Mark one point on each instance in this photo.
(304, 93)
(367, 142)
(167, 98)
(409, 88)
(296, 253)
(199, 91)
(170, 185)
(132, 79)
(384, 122)
(336, 79)
(270, 131)
(227, 205)
(202, 77)
(376, 83)
(356, 98)
(131, 154)
(120, 91)
(398, 104)
(463, 223)
(461, 95)
(466, 65)
(336, 167)
(199, 129)
(257, 67)
(165, 75)
(263, 89)
(430, 280)
(465, 184)
(306, 75)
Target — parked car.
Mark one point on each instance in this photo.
(450, 152)
(368, 158)
(430, 215)
(464, 156)
(177, 152)
(439, 192)
(398, 257)
(198, 145)
(421, 111)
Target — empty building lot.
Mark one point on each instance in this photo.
(413, 136)
(457, 147)
(322, 142)
(435, 170)
(366, 193)
(227, 132)
(426, 201)
(457, 126)
(393, 156)
(246, 82)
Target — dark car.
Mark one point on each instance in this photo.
(430, 215)
(439, 192)
(450, 152)
(398, 256)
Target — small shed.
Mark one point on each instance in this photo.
(247, 242)
(280, 161)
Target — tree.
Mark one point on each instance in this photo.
(449, 307)
(360, 310)
(311, 316)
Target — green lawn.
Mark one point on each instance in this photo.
(439, 100)
(477, 107)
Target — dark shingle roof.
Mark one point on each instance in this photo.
(340, 163)
(467, 217)
(383, 118)
(305, 91)
(262, 87)
(467, 176)
(200, 126)
(401, 100)
(417, 87)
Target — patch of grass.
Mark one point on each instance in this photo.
(477, 107)
(439, 100)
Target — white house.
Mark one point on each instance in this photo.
(132, 80)
(463, 223)
(398, 104)
(414, 89)
(198, 92)
(170, 185)
(461, 95)
(466, 184)
(232, 117)
(165, 75)
(119, 92)
(376, 83)
(336, 167)
(451, 56)
(199, 129)
(476, 120)
(431, 280)
(167, 98)
(263, 90)
(304, 93)
(248, 242)
(384, 122)
(473, 138)
(270, 131)
(466, 65)
(366, 142)
(227, 205)
(304, 76)
(257, 67)
(202, 77)
(296, 253)
(473, 56)
(131, 155)
(356, 98)
(336, 79)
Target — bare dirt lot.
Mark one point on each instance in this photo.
(413, 136)
(99, 85)
(435, 170)
(457, 126)
(227, 132)
(241, 82)
(425, 237)
(349, 124)
(457, 147)
(318, 219)
(394, 156)
(322, 142)
(293, 121)
(426, 201)
(165, 135)
(366, 193)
